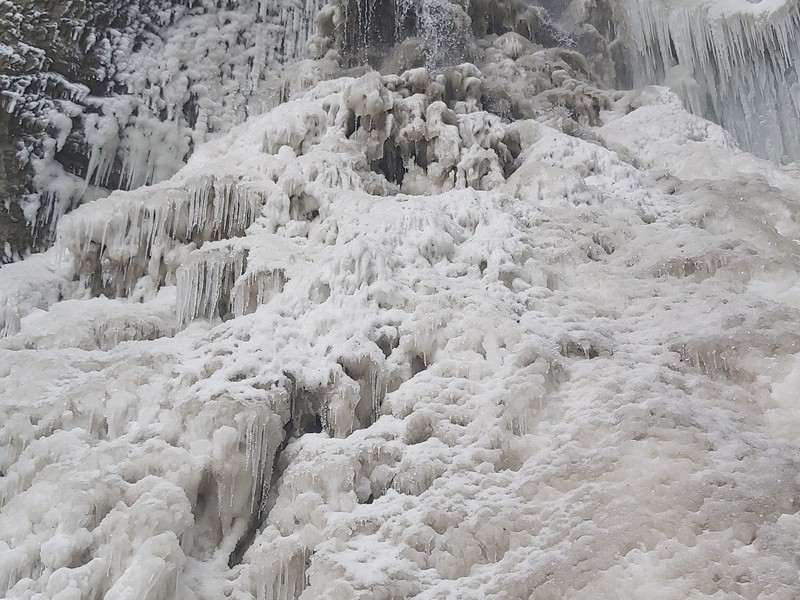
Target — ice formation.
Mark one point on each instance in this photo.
(437, 330)
(145, 84)
(733, 61)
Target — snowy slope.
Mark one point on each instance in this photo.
(381, 342)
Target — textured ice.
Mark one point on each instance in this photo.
(382, 342)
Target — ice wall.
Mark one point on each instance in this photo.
(732, 61)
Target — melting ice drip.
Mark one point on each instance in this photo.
(440, 24)
(734, 62)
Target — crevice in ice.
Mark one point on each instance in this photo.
(371, 381)
(308, 411)
(228, 502)
(604, 242)
(387, 343)
(418, 364)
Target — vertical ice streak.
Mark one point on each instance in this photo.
(735, 65)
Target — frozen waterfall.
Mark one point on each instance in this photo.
(445, 318)
(733, 61)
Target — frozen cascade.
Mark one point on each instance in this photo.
(207, 280)
(483, 330)
(734, 62)
(209, 67)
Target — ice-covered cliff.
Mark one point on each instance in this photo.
(452, 320)
(107, 94)
(99, 95)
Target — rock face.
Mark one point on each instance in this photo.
(54, 56)
(451, 320)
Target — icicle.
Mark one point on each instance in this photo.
(205, 283)
(102, 135)
(256, 288)
(744, 64)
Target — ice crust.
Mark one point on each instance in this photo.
(381, 342)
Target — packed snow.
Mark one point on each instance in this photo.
(482, 330)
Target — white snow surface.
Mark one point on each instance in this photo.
(544, 366)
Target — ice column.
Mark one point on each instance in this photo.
(204, 284)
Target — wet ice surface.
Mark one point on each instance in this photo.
(380, 343)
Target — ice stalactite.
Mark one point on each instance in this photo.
(102, 136)
(228, 279)
(283, 578)
(243, 461)
(134, 248)
(256, 288)
(222, 207)
(205, 283)
(123, 246)
(737, 66)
